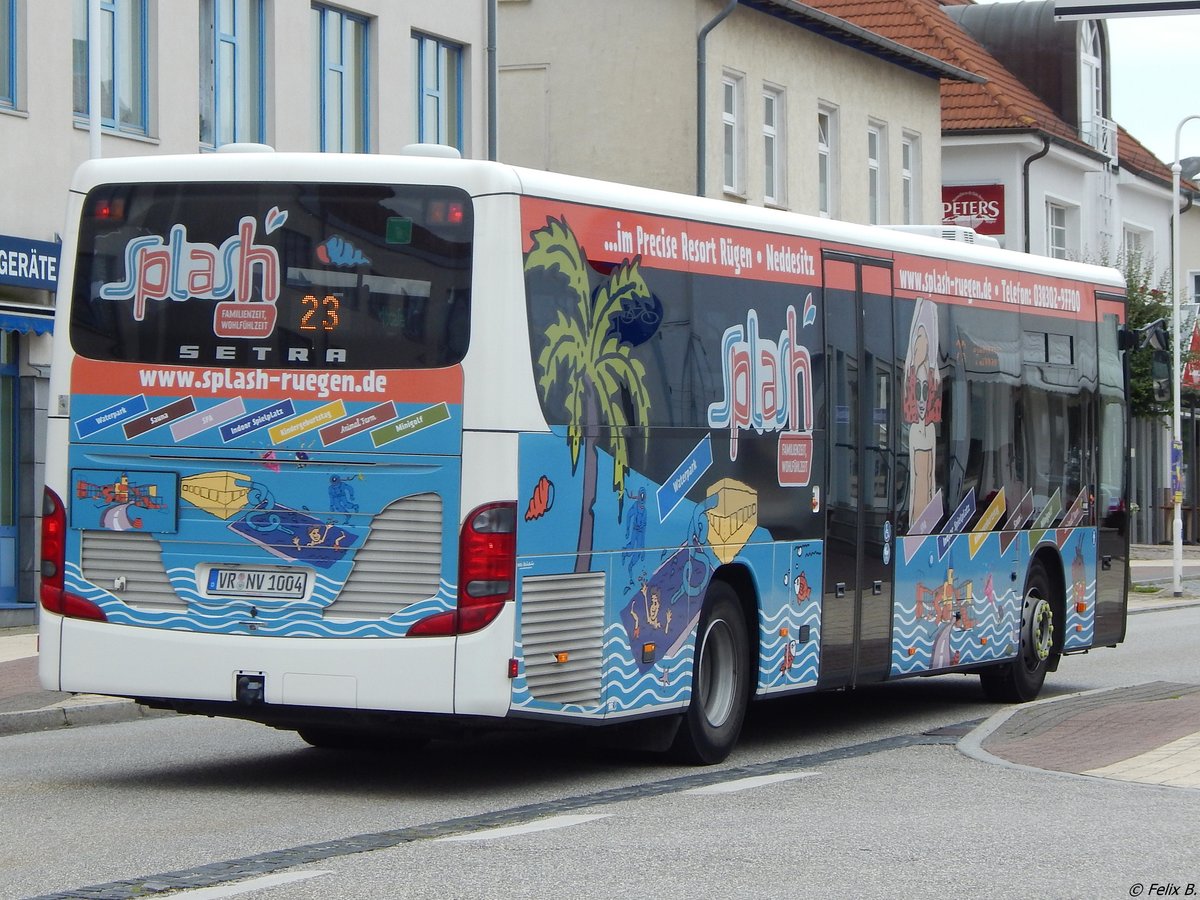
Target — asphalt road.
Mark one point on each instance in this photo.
(851, 797)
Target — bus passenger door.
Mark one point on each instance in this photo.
(861, 377)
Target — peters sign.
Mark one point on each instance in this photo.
(978, 206)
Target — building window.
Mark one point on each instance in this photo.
(1136, 242)
(910, 175)
(774, 150)
(437, 73)
(876, 176)
(826, 162)
(1091, 83)
(123, 71)
(731, 128)
(341, 81)
(1061, 227)
(8, 53)
(1193, 282)
(231, 71)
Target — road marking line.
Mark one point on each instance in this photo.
(254, 884)
(745, 784)
(547, 824)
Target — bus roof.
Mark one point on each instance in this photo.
(480, 177)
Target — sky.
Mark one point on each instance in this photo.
(1155, 72)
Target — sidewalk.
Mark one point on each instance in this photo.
(1147, 733)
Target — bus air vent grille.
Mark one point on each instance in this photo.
(399, 563)
(562, 634)
(129, 565)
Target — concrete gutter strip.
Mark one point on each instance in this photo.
(76, 711)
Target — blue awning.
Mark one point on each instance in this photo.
(26, 321)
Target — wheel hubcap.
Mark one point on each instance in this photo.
(1041, 631)
(718, 673)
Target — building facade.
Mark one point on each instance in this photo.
(181, 77)
(768, 102)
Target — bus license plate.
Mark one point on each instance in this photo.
(275, 584)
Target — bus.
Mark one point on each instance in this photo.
(386, 448)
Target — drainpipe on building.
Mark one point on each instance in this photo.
(493, 76)
(93, 33)
(702, 93)
(1025, 183)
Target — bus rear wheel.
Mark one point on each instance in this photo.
(1022, 678)
(720, 681)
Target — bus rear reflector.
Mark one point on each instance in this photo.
(487, 572)
(54, 595)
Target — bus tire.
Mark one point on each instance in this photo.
(720, 681)
(1021, 679)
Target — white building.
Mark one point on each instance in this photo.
(180, 77)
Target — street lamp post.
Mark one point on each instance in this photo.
(1176, 350)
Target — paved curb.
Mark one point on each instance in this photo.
(76, 712)
(972, 744)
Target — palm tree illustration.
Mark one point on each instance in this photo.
(605, 385)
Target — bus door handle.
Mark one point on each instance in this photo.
(877, 588)
(839, 589)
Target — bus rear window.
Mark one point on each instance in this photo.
(274, 275)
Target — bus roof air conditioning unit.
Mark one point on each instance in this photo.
(959, 233)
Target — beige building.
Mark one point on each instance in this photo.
(769, 102)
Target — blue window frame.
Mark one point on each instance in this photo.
(8, 53)
(123, 68)
(232, 68)
(343, 123)
(437, 73)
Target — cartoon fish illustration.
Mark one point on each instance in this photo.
(803, 589)
(789, 658)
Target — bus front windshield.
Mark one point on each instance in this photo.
(274, 275)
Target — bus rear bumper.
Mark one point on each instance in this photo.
(175, 668)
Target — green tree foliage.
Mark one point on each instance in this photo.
(606, 391)
(1147, 300)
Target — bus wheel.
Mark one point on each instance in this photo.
(720, 681)
(1022, 679)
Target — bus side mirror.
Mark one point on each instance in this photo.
(1160, 375)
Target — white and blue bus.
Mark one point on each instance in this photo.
(373, 447)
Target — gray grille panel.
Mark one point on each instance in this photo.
(399, 563)
(136, 557)
(564, 614)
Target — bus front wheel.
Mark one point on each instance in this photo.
(1022, 678)
(720, 681)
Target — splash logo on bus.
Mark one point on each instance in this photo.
(768, 388)
(174, 268)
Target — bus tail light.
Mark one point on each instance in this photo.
(487, 572)
(54, 595)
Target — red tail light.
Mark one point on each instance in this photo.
(54, 557)
(487, 571)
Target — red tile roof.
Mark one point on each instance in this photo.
(1003, 103)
